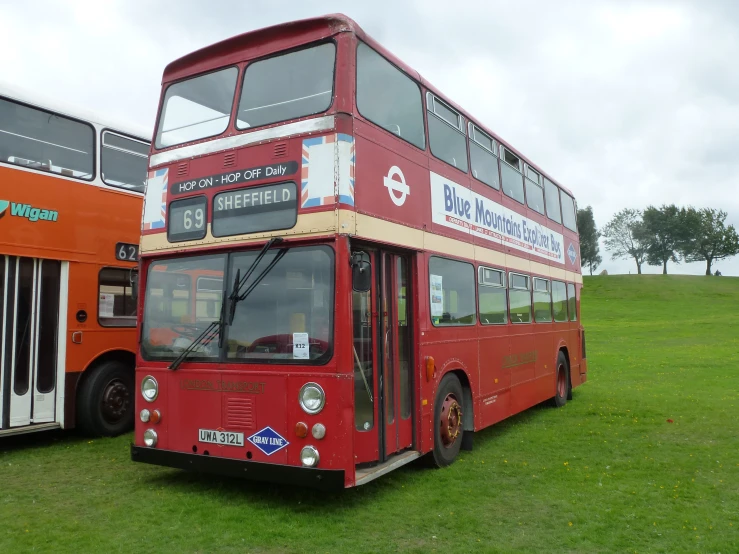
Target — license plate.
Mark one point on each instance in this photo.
(221, 437)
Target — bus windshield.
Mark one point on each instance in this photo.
(287, 319)
(287, 86)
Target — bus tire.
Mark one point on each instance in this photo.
(105, 402)
(448, 421)
(562, 383)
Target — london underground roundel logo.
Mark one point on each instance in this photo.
(397, 186)
(3, 207)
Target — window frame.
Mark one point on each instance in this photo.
(536, 182)
(528, 288)
(132, 319)
(574, 208)
(572, 316)
(129, 137)
(431, 100)
(519, 170)
(411, 79)
(472, 130)
(160, 112)
(480, 283)
(238, 93)
(548, 292)
(566, 318)
(474, 293)
(559, 201)
(93, 173)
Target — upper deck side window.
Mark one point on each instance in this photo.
(551, 191)
(483, 159)
(446, 133)
(534, 190)
(568, 211)
(196, 108)
(39, 139)
(287, 86)
(511, 174)
(123, 162)
(388, 97)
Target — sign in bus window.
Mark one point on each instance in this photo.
(255, 209)
(186, 219)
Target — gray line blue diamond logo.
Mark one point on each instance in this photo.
(572, 253)
(268, 441)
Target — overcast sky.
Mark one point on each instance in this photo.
(625, 103)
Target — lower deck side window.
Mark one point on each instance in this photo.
(116, 306)
(452, 292)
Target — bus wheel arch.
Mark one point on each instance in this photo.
(105, 397)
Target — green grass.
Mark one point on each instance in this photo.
(607, 473)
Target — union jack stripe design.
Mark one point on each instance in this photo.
(155, 203)
(322, 182)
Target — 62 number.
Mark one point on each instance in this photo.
(187, 219)
(127, 252)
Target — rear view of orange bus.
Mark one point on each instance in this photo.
(70, 212)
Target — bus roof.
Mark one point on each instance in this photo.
(45, 102)
(269, 40)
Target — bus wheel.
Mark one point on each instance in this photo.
(105, 402)
(563, 381)
(448, 431)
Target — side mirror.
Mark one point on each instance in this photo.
(135, 285)
(361, 272)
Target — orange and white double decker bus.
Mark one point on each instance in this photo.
(341, 270)
(71, 194)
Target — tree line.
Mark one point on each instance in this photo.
(656, 236)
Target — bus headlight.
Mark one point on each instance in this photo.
(145, 415)
(149, 388)
(150, 437)
(309, 456)
(311, 398)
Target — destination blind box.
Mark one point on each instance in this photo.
(255, 209)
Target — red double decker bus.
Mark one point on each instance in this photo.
(341, 270)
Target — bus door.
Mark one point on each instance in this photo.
(382, 340)
(29, 339)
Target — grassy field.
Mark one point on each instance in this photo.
(644, 459)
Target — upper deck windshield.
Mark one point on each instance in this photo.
(287, 86)
(283, 87)
(292, 305)
(197, 108)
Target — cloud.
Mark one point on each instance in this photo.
(626, 103)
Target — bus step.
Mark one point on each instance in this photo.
(29, 429)
(364, 476)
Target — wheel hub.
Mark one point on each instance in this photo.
(451, 420)
(116, 398)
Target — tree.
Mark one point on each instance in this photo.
(623, 237)
(707, 238)
(589, 235)
(663, 234)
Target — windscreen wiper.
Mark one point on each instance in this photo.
(208, 334)
(236, 295)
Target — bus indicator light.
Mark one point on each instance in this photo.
(430, 368)
(301, 430)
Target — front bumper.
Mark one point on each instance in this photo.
(323, 479)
